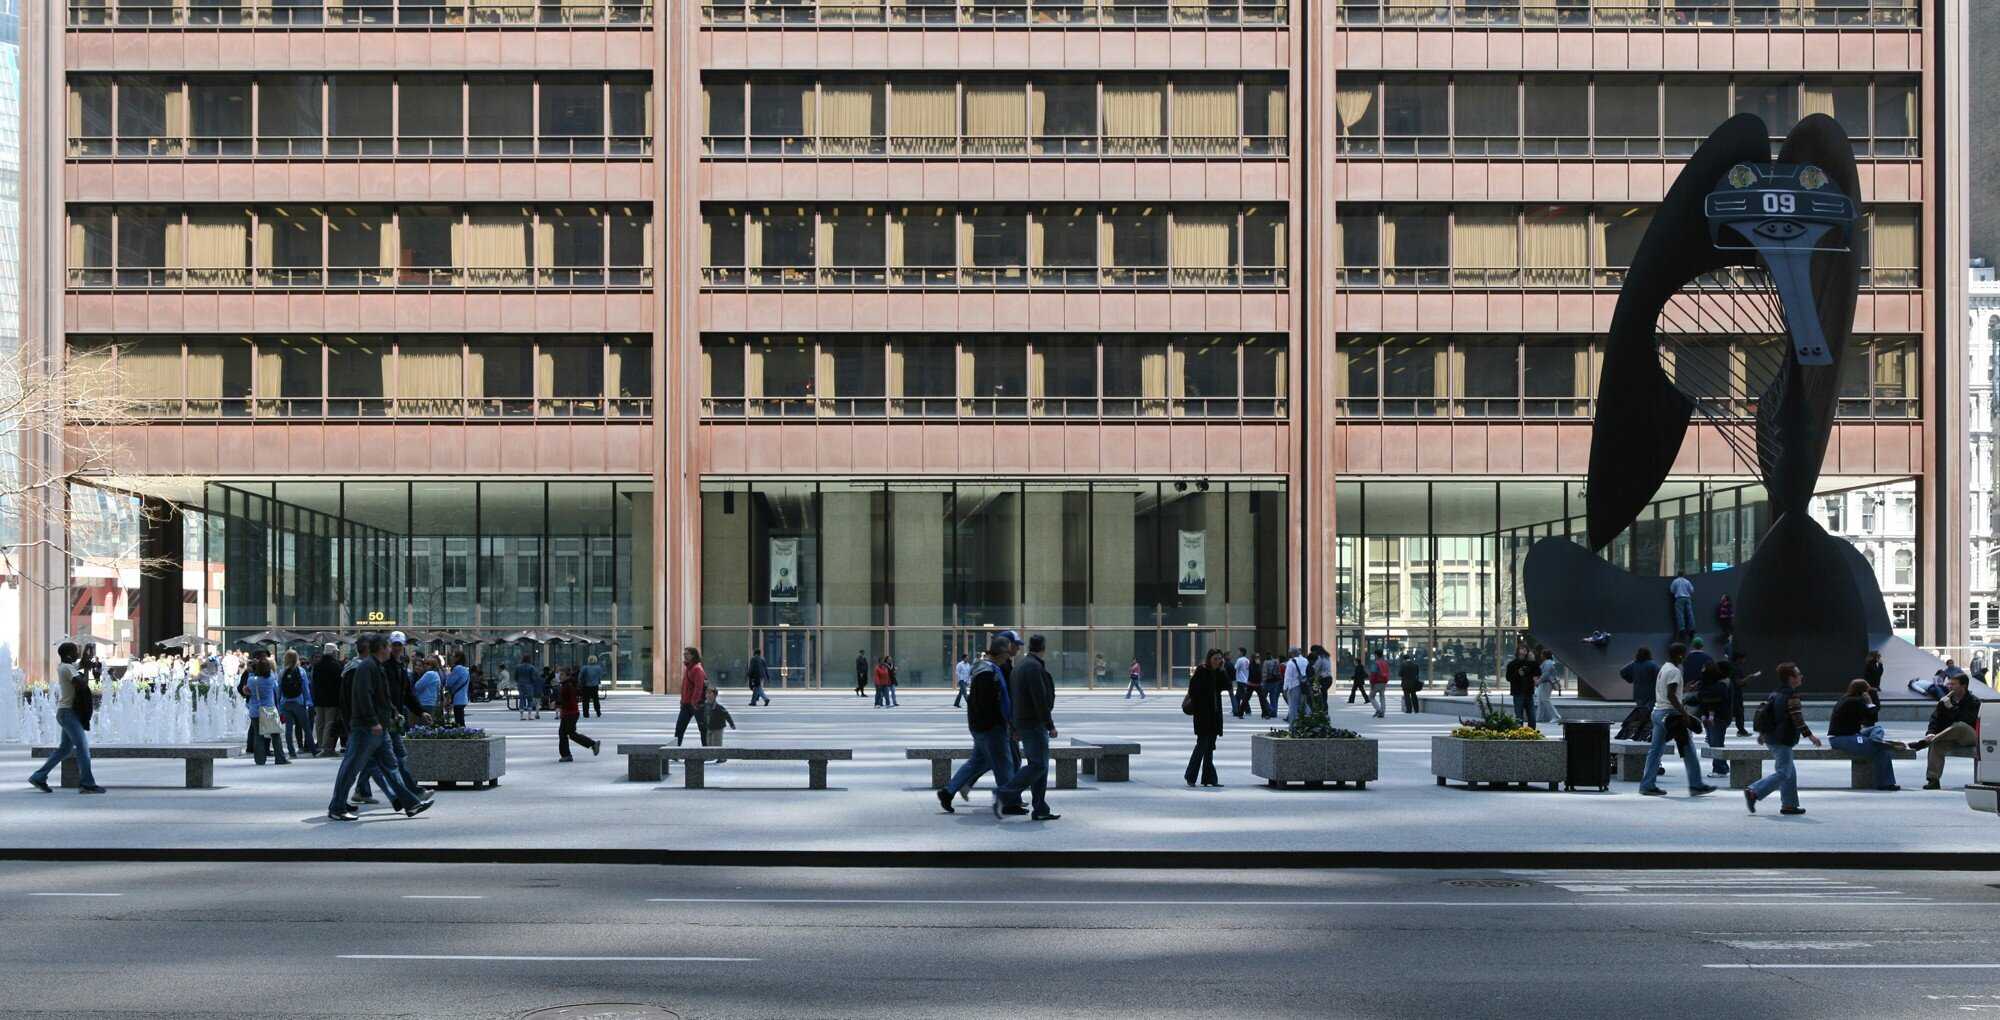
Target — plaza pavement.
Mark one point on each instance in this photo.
(880, 801)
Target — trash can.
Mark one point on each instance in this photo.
(1589, 746)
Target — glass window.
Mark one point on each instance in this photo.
(430, 378)
(356, 375)
(997, 369)
(781, 372)
(922, 243)
(852, 376)
(360, 107)
(1895, 109)
(569, 377)
(1490, 380)
(1417, 244)
(1555, 109)
(513, 527)
(924, 372)
(1360, 242)
(1556, 377)
(90, 115)
(1628, 116)
(572, 106)
(783, 236)
(1694, 107)
(360, 246)
(781, 114)
(288, 376)
(722, 375)
(288, 114)
(1135, 376)
(500, 376)
(500, 114)
(1136, 240)
(147, 108)
(289, 245)
(1066, 368)
(998, 242)
(1486, 114)
(1775, 100)
(430, 114)
(1266, 379)
(218, 378)
(722, 116)
(219, 116)
(631, 114)
(1267, 123)
(1061, 241)
(1415, 106)
(630, 245)
(1208, 376)
(1412, 376)
(1063, 116)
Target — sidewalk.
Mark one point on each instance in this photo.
(880, 802)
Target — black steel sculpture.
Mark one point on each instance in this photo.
(1741, 247)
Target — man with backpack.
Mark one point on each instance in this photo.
(1296, 680)
(1779, 723)
(295, 707)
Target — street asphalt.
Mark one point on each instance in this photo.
(164, 941)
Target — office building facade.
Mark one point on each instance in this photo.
(836, 329)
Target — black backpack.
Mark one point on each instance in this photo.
(293, 684)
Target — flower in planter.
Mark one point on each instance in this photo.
(443, 733)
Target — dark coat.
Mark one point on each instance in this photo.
(1034, 694)
(1205, 691)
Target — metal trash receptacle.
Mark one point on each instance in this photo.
(1589, 752)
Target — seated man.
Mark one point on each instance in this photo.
(1954, 722)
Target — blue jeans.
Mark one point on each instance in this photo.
(989, 754)
(1683, 614)
(881, 695)
(1134, 686)
(1660, 717)
(757, 693)
(1784, 778)
(75, 741)
(1869, 745)
(393, 744)
(368, 753)
(1034, 773)
(1524, 709)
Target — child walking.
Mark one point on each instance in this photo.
(713, 718)
(569, 702)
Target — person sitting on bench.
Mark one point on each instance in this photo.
(1954, 723)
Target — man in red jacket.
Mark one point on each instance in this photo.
(694, 685)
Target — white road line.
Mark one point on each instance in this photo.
(103, 894)
(421, 896)
(1453, 904)
(1851, 966)
(554, 959)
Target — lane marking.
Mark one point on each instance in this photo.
(102, 894)
(417, 896)
(1501, 904)
(553, 959)
(1851, 966)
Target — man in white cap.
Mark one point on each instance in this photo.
(329, 702)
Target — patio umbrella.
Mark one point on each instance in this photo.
(186, 641)
(88, 639)
(525, 635)
(273, 636)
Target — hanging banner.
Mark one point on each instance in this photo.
(1194, 563)
(784, 570)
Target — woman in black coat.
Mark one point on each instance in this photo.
(1204, 703)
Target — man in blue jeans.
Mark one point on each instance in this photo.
(1788, 724)
(1034, 696)
(987, 710)
(73, 705)
(369, 711)
(1682, 590)
(1667, 705)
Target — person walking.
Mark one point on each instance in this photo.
(1682, 591)
(590, 685)
(1258, 701)
(1378, 685)
(329, 712)
(73, 708)
(1274, 685)
(694, 685)
(861, 672)
(1780, 731)
(891, 663)
(1667, 707)
(1641, 673)
(1319, 669)
(267, 725)
(458, 688)
(1412, 676)
(295, 706)
(987, 714)
(407, 710)
(1954, 722)
(1100, 672)
(1712, 704)
(428, 688)
(1133, 683)
(569, 708)
(1853, 729)
(1358, 681)
(1034, 696)
(1521, 685)
(1204, 703)
(882, 682)
(528, 687)
(1546, 679)
(961, 679)
(1725, 617)
(755, 674)
(370, 712)
(1239, 692)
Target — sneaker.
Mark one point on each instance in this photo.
(362, 800)
(1750, 801)
(562, 760)
(1701, 791)
(91, 789)
(342, 816)
(1044, 816)
(1792, 811)
(418, 808)
(1653, 791)
(40, 784)
(944, 801)
(1932, 784)
(1013, 809)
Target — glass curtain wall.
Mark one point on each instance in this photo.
(452, 563)
(818, 575)
(1433, 569)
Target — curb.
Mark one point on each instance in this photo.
(1555, 860)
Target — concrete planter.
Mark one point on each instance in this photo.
(1499, 761)
(450, 762)
(1281, 760)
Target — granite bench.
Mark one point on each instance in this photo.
(694, 760)
(1066, 759)
(1746, 763)
(1112, 766)
(200, 760)
(643, 763)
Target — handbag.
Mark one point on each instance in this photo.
(1187, 704)
(268, 723)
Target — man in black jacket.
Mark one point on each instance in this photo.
(986, 714)
(1034, 697)
(371, 713)
(1521, 685)
(402, 698)
(329, 711)
(1954, 721)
